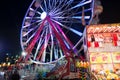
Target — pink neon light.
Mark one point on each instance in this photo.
(32, 44)
(65, 50)
(43, 48)
(71, 45)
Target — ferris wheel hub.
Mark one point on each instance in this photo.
(43, 15)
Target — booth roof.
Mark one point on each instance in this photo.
(104, 28)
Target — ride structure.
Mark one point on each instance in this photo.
(54, 30)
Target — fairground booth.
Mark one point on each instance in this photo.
(103, 41)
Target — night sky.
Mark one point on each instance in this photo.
(111, 11)
(12, 13)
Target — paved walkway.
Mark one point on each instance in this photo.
(27, 75)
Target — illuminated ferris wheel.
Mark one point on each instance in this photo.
(52, 29)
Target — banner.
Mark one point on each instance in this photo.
(100, 58)
(116, 57)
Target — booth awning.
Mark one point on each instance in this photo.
(103, 28)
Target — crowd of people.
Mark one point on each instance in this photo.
(15, 72)
(107, 74)
(9, 75)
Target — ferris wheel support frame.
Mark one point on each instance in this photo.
(62, 43)
(66, 46)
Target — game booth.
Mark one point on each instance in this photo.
(103, 41)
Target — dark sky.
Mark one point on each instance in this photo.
(111, 11)
(12, 13)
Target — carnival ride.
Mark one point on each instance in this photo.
(53, 30)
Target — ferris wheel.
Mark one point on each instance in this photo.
(52, 29)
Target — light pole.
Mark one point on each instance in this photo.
(24, 54)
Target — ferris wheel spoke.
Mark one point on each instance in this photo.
(46, 42)
(80, 17)
(56, 8)
(78, 43)
(67, 5)
(57, 13)
(80, 13)
(33, 41)
(41, 40)
(41, 7)
(52, 45)
(85, 10)
(55, 53)
(49, 4)
(45, 46)
(65, 38)
(25, 26)
(34, 18)
(82, 1)
(51, 54)
(53, 3)
(54, 11)
(69, 2)
(38, 22)
(67, 21)
(61, 53)
(67, 44)
(74, 17)
(43, 56)
(58, 37)
(81, 4)
(30, 30)
(28, 40)
(68, 28)
(31, 9)
(45, 4)
(75, 31)
(37, 49)
(60, 4)
(42, 51)
(25, 34)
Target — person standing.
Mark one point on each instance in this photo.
(15, 75)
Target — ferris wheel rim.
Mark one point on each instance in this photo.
(53, 62)
(27, 14)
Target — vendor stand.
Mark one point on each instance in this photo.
(103, 41)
